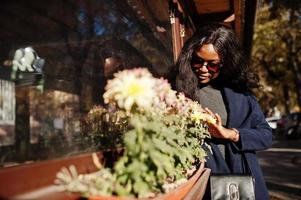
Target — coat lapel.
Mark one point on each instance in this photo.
(230, 101)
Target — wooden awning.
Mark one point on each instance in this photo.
(238, 14)
(186, 16)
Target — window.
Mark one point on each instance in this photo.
(74, 48)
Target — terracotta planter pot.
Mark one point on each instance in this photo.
(176, 194)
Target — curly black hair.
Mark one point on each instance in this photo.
(235, 72)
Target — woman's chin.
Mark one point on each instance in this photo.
(204, 80)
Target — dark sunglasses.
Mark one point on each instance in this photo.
(211, 66)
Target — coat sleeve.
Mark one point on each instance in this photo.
(255, 134)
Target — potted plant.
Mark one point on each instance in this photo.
(162, 136)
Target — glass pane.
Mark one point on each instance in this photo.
(55, 59)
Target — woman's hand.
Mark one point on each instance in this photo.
(218, 131)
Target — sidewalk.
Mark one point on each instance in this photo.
(281, 167)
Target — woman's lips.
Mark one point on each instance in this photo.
(204, 76)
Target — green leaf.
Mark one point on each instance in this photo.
(163, 146)
(130, 138)
(123, 190)
(141, 188)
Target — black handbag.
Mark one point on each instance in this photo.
(232, 186)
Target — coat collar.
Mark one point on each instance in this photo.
(239, 107)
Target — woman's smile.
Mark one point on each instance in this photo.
(204, 56)
(204, 76)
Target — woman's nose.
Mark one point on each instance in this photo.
(203, 67)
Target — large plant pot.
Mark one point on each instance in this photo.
(177, 194)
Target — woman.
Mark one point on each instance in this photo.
(212, 69)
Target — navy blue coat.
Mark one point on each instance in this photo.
(244, 114)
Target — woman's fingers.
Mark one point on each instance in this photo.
(215, 115)
(216, 129)
(218, 119)
(209, 112)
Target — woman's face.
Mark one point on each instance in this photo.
(206, 63)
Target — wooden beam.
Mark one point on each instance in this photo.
(177, 40)
(250, 13)
(239, 7)
(188, 8)
(211, 6)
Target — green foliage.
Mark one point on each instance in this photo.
(276, 53)
(157, 148)
(99, 183)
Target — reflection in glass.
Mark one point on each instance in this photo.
(7, 112)
(43, 102)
